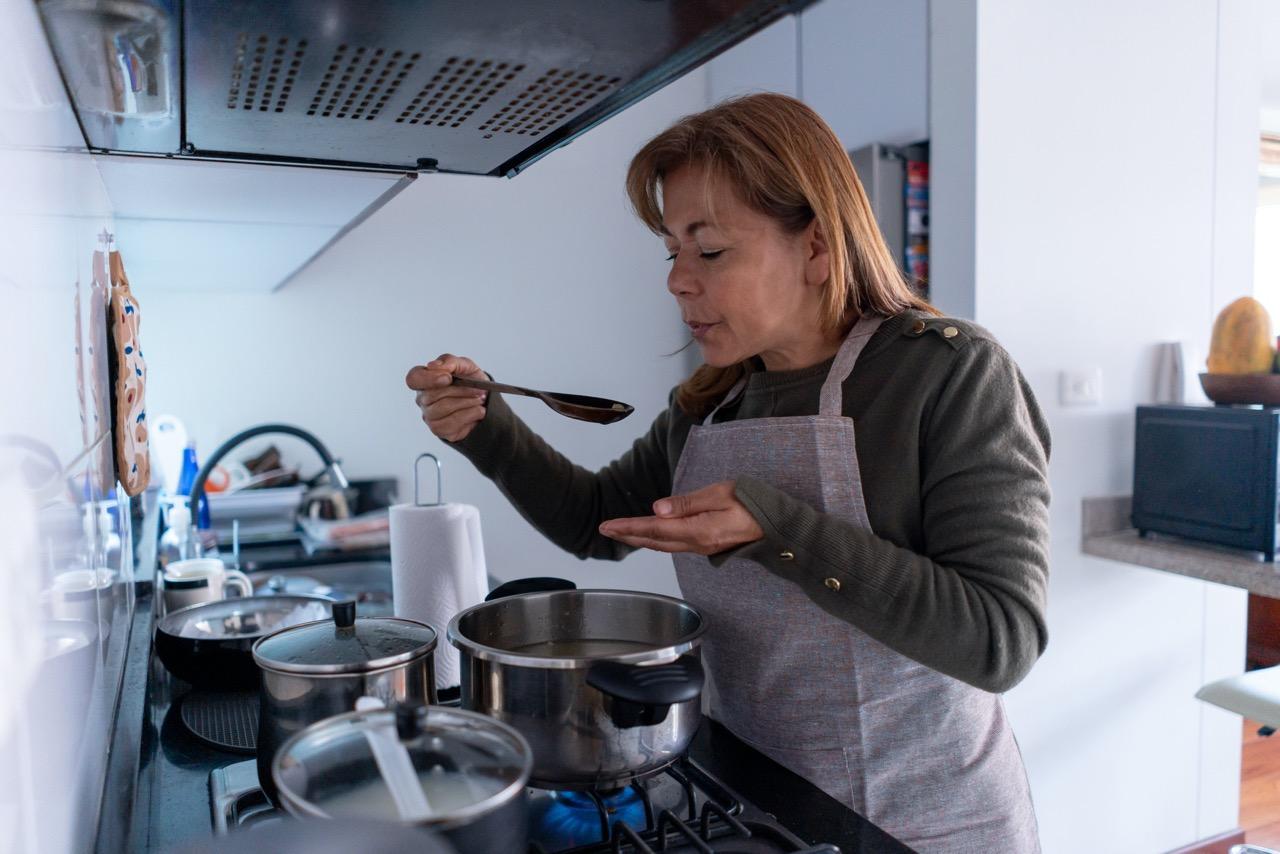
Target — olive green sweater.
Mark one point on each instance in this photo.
(953, 452)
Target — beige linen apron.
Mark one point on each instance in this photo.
(928, 758)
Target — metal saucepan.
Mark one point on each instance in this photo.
(210, 644)
(455, 772)
(318, 670)
(604, 684)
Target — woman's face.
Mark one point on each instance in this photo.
(745, 287)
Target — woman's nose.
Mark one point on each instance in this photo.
(680, 281)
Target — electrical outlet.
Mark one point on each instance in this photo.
(1080, 388)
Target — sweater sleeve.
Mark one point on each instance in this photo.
(972, 605)
(564, 501)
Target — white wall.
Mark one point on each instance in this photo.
(547, 280)
(1111, 178)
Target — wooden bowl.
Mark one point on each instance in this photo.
(1261, 389)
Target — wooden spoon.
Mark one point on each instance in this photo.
(597, 410)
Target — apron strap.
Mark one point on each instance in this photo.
(831, 401)
(733, 392)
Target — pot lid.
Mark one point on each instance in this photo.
(345, 644)
(427, 765)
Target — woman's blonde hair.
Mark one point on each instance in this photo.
(782, 160)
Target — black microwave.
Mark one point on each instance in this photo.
(1208, 473)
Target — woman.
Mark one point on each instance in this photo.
(853, 488)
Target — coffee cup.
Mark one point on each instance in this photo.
(189, 582)
(83, 594)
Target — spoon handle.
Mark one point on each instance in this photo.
(492, 386)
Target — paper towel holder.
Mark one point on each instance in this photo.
(417, 494)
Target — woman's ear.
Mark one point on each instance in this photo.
(817, 265)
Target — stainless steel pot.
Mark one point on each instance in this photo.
(458, 773)
(604, 684)
(318, 670)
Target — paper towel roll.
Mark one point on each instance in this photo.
(437, 570)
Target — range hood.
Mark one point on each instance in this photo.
(479, 87)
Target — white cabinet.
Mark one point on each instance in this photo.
(864, 66)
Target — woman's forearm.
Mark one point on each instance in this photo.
(562, 500)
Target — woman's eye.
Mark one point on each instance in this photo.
(706, 255)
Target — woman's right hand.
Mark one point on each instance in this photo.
(450, 411)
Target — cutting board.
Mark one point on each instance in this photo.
(128, 384)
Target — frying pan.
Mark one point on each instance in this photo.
(210, 644)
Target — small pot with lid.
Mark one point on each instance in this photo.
(318, 670)
(455, 772)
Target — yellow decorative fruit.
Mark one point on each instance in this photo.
(1241, 342)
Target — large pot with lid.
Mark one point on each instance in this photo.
(458, 773)
(604, 684)
(321, 669)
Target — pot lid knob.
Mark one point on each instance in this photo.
(409, 720)
(344, 614)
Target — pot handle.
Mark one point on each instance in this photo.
(541, 584)
(642, 695)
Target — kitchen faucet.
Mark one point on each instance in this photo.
(336, 478)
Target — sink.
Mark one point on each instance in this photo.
(368, 582)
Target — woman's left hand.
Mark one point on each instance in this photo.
(705, 522)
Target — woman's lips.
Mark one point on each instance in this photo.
(700, 329)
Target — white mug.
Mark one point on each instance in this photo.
(188, 582)
(83, 594)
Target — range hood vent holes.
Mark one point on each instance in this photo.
(359, 81)
(259, 70)
(457, 91)
(548, 101)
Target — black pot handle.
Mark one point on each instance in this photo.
(642, 695)
(541, 584)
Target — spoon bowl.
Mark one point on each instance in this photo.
(597, 410)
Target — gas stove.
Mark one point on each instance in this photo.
(722, 797)
(683, 809)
